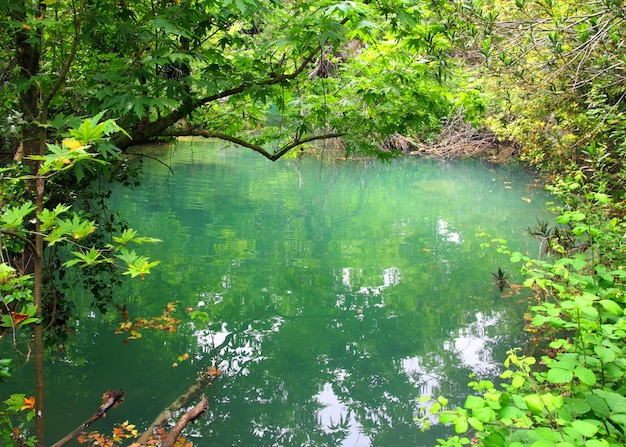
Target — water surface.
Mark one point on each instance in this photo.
(338, 293)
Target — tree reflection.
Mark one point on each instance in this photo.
(335, 299)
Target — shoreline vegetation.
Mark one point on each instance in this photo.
(540, 81)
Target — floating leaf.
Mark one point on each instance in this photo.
(213, 371)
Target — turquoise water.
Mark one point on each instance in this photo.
(337, 294)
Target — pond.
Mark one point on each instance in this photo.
(335, 294)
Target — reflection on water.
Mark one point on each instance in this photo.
(338, 294)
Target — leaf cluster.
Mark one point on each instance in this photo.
(576, 397)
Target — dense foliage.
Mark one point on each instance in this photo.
(272, 76)
(227, 69)
(556, 69)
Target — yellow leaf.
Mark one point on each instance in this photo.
(72, 143)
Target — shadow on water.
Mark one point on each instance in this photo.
(338, 296)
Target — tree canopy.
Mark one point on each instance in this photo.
(268, 75)
(82, 81)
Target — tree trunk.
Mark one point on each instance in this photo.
(28, 44)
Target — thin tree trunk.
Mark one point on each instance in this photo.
(40, 389)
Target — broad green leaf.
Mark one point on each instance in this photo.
(484, 414)
(560, 376)
(534, 403)
(585, 428)
(578, 406)
(612, 307)
(585, 375)
(476, 423)
(598, 405)
(596, 443)
(460, 425)
(446, 418)
(473, 402)
(547, 434)
(619, 419)
(518, 381)
(615, 401)
(606, 355)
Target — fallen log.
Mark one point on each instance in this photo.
(191, 415)
(183, 400)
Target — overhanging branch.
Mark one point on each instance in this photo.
(158, 127)
(273, 156)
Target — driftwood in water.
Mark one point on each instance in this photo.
(190, 416)
(183, 400)
(110, 399)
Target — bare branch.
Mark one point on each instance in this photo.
(190, 416)
(110, 399)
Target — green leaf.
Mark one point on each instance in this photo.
(495, 440)
(460, 425)
(47, 217)
(126, 237)
(518, 381)
(476, 424)
(605, 354)
(534, 403)
(547, 434)
(446, 418)
(560, 376)
(474, 402)
(13, 217)
(586, 429)
(598, 405)
(615, 401)
(612, 307)
(578, 406)
(91, 257)
(585, 375)
(619, 419)
(484, 414)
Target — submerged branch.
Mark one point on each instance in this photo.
(110, 399)
(190, 416)
(183, 400)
